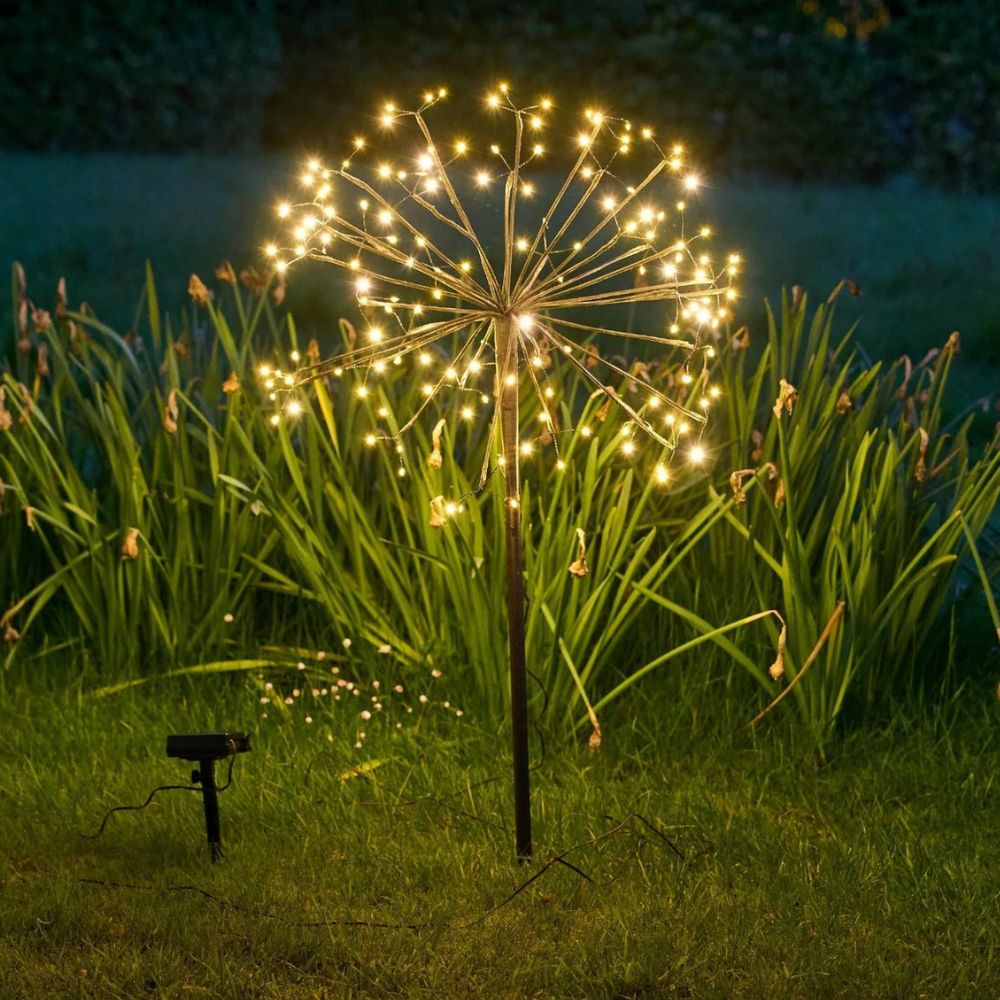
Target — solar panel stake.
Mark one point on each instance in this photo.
(205, 749)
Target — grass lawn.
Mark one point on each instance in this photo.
(922, 258)
(877, 875)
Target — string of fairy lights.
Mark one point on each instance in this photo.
(396, 214)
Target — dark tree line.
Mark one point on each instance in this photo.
(850, 89)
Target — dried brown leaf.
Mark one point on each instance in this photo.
(849, 283)
(741, 339)
(438, 518)
(20, 282)
(907, 375)
(920, 471)
(434, 460)
(787, 397)
(736, 484)
(27, 402)
(578, 567)
(130, 547)
(224, 272)
(6, 420)
(170, 413)
(41, 319)
(779, 493)
(198, 292)
(253, 279)
(930, 356)
(605, 408)
(777, 668)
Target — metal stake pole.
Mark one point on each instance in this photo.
(210, 795)
(507, 392)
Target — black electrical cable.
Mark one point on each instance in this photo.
(152, 794)
(558, 858)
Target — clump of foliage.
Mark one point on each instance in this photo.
(153, 518)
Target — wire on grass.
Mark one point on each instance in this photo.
(152, 795)
(555, 859)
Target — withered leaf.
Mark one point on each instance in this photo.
(27, 401)
(741, 339)
(20, 282)
(777, 668)
(736, 484)
(434, 459)
(41, 320)
(232, 384)
(253, 279)
(224, 272)
(849, 283)
(920, 471)
(170, 413)
(438, 519)
(198, 292)
(907, 375)
(5, 418)
(594, 743)
(348, 332)
(787, 397)
(605, 408)
(579, 566)
(130, 547)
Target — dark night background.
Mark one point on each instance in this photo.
(843, 89)
(842, 138)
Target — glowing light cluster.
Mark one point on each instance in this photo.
(395, 214)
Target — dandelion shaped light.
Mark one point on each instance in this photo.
(533, 278)
(405, 213)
